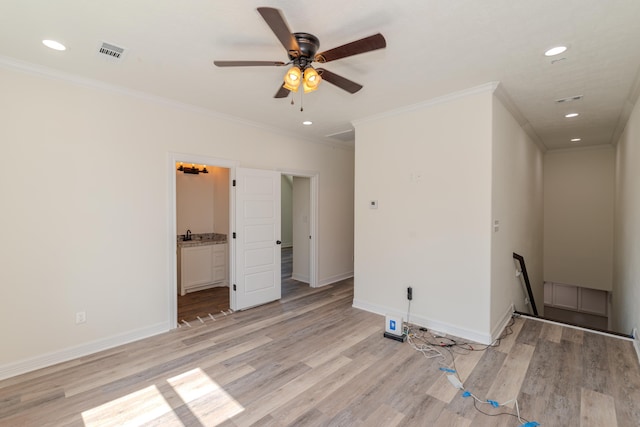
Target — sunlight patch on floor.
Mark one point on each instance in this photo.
(207, 400)
(134, 409)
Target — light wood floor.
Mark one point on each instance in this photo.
(311, 359)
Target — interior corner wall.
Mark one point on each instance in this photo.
(429, 171)
(579, 189)
(626, 288)
(517, 197)
(87, 224)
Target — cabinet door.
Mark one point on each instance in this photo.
(196, 266)
(220, 263)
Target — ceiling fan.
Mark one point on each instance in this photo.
(301, 49)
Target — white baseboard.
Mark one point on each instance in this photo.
(303, 279)
(506, 317)
(49, 359)
(436, 325)
(334, 279)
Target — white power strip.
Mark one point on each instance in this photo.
(455, 381)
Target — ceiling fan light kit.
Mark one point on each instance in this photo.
(301, 49)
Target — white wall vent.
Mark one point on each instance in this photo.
(111, 51)
(569, 99)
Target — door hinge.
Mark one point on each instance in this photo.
(234, 287)
(233, 235)
(234, 182)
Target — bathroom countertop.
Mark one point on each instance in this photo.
(202, 240)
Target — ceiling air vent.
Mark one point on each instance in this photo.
(569, 99)
(111, 52)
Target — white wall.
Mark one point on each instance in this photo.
(517, 197)
(626, 289)
(286, 211)
(429, 168)
(578, 217)
(220, 199)
(86, 225)
(194, 202)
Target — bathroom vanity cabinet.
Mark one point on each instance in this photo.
(201, 266)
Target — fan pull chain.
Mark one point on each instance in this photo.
(301, 104)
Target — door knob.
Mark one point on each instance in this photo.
(278, 242)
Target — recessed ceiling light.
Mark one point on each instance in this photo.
(54, 45)
(307, 123)
(568, 116)
(576, 139)
(555, 51)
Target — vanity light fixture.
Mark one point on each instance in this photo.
(52, 44)
(193, 169)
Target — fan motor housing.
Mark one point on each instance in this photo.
(308, 43)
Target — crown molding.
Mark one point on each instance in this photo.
(487, 87)
(505, 99)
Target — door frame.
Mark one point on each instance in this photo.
(172, 246)
(313, 220)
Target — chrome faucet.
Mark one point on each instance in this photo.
(188, 235)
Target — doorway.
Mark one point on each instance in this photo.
(202, 222)
(296, 233)
(172, 231)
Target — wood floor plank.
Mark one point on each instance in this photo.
(321, 356)
(597, 409)
(384, 415)
(450, 419)
(465, 364)
(530, 332)
(572, 334)
(511, 375)
(595, 361)
(625, 383)
(326, 387)
(274, 399)
(479, 381)
(551, 332)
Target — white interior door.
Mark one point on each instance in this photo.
(257, 237)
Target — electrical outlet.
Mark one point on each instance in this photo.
(409, 293)
(81, 317)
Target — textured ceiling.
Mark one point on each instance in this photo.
(434, 47)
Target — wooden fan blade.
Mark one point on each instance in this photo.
(247, 63)
(275, 20)
(341, 82)
(282, 92)
(366, 44)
